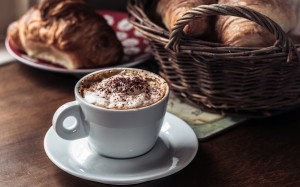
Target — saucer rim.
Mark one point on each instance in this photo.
(133, 180)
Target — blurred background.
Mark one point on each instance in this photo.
(11, 10)
(111, 4)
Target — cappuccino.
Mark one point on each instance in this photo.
(123, 89)
(126, 113)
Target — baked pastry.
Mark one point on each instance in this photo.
(171, 11)
(240, 32)
(67, 33)
(296, 7)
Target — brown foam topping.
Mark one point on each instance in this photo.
(126, 89)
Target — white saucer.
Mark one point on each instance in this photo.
(176, 147)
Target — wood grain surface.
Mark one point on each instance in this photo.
(262, 152)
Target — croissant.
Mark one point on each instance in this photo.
(67, 33)
(240, 32)
(296, 7)
(171, 11)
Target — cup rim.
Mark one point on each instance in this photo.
(79, 97)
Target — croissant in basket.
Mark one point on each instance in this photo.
(240, 32)
(67, 33)
(171, 11)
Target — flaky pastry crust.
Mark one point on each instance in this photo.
(67, 33)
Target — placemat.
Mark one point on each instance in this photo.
(206, 125)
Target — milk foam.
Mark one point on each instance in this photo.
(127, 89)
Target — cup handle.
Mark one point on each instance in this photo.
(72, 128)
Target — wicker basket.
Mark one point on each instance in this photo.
(252, 81)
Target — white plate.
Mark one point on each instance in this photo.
(136, 48)
(175, 149)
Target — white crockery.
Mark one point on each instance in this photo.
(176, 147)
(112, 133)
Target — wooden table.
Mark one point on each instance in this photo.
(263, 152)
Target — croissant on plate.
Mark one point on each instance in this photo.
(67, 33)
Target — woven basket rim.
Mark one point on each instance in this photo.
(160, 34)
(193, 66)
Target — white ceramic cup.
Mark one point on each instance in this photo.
(113, 133)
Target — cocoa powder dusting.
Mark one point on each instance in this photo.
(124, 90)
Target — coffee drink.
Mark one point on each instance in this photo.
(120, 112)
(123, 89)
